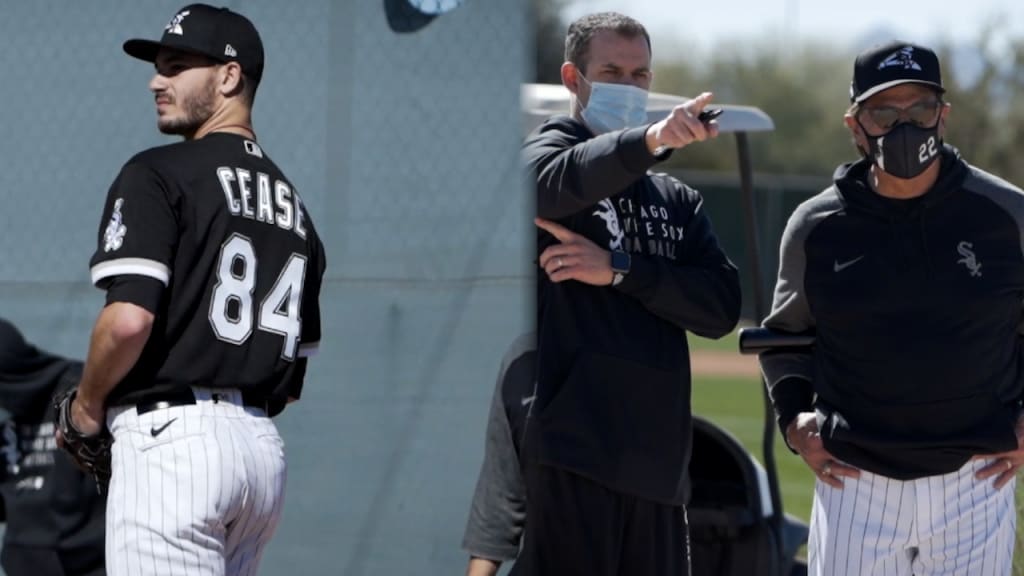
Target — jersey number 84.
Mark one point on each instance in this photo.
(231, 307)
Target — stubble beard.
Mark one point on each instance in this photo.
(198, 108)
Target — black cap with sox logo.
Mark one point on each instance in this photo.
(217, 33)
(891, 64)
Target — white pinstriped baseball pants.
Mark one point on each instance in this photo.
(200, 497)
(949, 525)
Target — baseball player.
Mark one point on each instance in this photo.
(212, 270)
(497, 515)
(629, 263)
(53, 511)
(910, 270)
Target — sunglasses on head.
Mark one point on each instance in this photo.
(922, 114)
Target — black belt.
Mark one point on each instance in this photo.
(185, 397)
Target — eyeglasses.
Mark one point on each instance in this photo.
(922, 114)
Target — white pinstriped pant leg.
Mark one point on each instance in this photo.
(261, 450)
(942, 525)
(202, 497)
(863, 529)
(162, 507)
(966, 525)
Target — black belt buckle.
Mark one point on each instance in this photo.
(183, 397)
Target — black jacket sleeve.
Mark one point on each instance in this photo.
(699, 292)
(789, 375)
(574, 171)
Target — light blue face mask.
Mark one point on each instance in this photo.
(614, 107)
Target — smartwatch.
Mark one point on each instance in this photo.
(620, 266)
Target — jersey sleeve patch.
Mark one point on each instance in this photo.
(120, 266)
(113, 235)
(139, 224)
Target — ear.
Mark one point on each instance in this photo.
(851, 123)
(859, 138)
(570, 78)
(230, 81)
(943, 113)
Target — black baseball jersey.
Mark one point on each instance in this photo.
(219, 225)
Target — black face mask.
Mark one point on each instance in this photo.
(906, 150)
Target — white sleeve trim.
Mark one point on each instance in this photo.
(122, 266)
(307, 349)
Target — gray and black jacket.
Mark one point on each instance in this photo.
(497, 514)
(917, 309)
(613, 369)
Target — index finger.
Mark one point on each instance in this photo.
(696, 106)
(560, 232)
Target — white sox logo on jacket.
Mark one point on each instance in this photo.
(642, 229)
(606, 211)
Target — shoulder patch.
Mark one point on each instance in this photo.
(113, 236)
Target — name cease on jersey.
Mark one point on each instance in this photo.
(234, 300)
(275, 203)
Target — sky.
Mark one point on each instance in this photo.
(702, 24)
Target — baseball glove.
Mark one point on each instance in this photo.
(91, 453)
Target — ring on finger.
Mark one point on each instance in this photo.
(826, 470)
(560, 263)
(1009, 464)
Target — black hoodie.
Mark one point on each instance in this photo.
(917, 307)
(613, 398)
(50, 505)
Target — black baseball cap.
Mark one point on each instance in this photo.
(892, 64)
(216, 33)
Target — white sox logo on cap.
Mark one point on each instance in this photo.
(217, 33)
(891, 64)
(174, 26)
(903, 57)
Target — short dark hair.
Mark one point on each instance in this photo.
(577, 40)
(248, 92)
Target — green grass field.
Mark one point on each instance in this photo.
(736, 405)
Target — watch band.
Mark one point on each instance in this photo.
(621, 263)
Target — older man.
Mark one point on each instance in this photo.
(910, 268)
